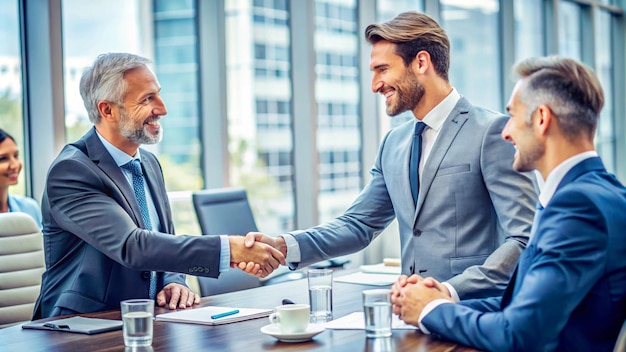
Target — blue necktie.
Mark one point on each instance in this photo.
(416, 152)
(134, 166)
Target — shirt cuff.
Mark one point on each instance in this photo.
(293, 249)
(453, 294)
(224, 253)
(427, 309)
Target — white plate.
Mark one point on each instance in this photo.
(274, 331)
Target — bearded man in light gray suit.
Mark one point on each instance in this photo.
(473, 212)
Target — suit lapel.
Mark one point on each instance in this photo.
(448, 133)
(152, 174)
(96, 151)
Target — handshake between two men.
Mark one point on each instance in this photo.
(257, 254)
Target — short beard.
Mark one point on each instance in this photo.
(140, 135)
(526, 161)
(406, 98)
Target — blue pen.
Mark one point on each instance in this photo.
(225, 314)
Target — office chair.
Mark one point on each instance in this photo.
(21, 266)
(224, 211)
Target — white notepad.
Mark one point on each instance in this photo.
(381, 268)
(203, 315)
(368, 279)
(356, 321)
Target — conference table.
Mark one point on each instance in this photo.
(240, 336)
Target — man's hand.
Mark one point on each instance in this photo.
(178, 296)
(415, 296)
(254, 237)
(397, 287)
(276, 242)
(430, 282)
(266, 256)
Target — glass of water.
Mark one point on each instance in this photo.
(377, 310)
(137, 315)
(321, 294)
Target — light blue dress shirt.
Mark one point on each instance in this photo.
(122, 158)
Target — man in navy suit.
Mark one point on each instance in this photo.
(107, 222)
(569, 289)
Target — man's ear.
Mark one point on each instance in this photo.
(421, 63)
(105, 109)
(543, 119)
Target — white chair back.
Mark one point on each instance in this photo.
(21, 266)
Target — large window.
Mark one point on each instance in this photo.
(11, 117)
(473, 29)
(337, 96)
(605, 138)
(529, 29)
(570, 43)
(248, 124)
(259, 109)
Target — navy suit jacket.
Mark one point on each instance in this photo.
(569, 292)
(96, 248)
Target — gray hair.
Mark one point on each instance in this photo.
(104, 80)
(570, 89)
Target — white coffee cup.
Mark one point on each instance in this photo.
(292, 318)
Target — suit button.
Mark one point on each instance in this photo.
(417, 232)
(412, 270)
(145, 274)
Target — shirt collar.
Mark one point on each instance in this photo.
(557, 174)
(436, 117)
(118, 155)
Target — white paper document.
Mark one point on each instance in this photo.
(206, 315)
(368, 279)
(381, 268)
(356, 321)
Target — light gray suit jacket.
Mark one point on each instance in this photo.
(473, 214)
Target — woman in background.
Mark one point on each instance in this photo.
(10, 167)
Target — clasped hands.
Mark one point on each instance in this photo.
(409, 296)
(257, 254)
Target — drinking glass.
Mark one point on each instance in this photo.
(377, 310)
(137, 315)
(321, 294)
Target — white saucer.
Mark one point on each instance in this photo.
(274, 331)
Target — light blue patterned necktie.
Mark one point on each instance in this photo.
(134, 166)
(416, 153)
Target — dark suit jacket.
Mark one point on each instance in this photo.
(569, 293)
(97, 252)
